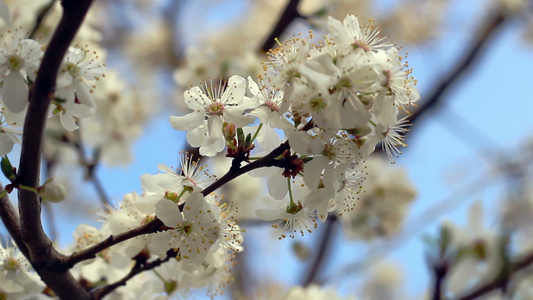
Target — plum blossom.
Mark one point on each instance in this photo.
(8, 134)
(75, 84)
(193, 231)
(350, 36)
(211, 107)
(19, 59)
(15, 275)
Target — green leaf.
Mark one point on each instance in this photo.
(7, 168)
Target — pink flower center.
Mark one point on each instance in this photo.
(215, 109)
(361, 44)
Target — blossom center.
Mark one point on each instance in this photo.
(186, 228)
(15, 63)
(329, 151)
(11, 264)
(73, 70)
(272, 106)
(317, 103)
(361, 44)
(215, 109)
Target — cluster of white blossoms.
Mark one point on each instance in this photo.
(334, 102)
(199, 234)
(16, 278)
(20, 58)
(111, 113)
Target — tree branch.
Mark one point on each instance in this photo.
(289, 15)
(500, 281)
(323, 247)
(91, 252)
(234, 172)
(435, 97)
(138, 268)
(40, 18)
(11, 220)
(41, 253)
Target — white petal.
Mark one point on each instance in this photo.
(67, 120)
(168, 212)
(312, 171)
(188, 121)
(4, 14)
(15, 92)
(160, 243)
(234, 93)
(277, 186)
(84, 94)
(303, 143)
(253, 87)
(197, 136)
(6, 144)
(269, 214)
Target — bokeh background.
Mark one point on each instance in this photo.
(471, 149)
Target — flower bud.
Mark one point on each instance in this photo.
(229, 131)
(52, 192)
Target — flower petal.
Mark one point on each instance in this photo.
(188, 121)
(15, 92)
(168, 212)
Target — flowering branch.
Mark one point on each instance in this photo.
(289, 15)
(91, 252)
(235, 170)
(156, 224)
(138, 268)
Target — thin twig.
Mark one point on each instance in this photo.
(90, 169)
(500, 281)
(40, 18)
(323, 248)
(289, 15)
(418, 223)
(102, 292)
(233, 173)
(91, 252)
(462, 67)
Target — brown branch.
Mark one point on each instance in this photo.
(90, 169)
(41, 253)
(138, 268)
(323, 247)
(235, 171)
(500, 281)
(11, 220)
(438, 93)
(91, 252)
(40, 18)
(156, 225)
(289, 15)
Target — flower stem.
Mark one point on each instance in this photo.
(27, 188)
(257, 131)
(291, 204)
